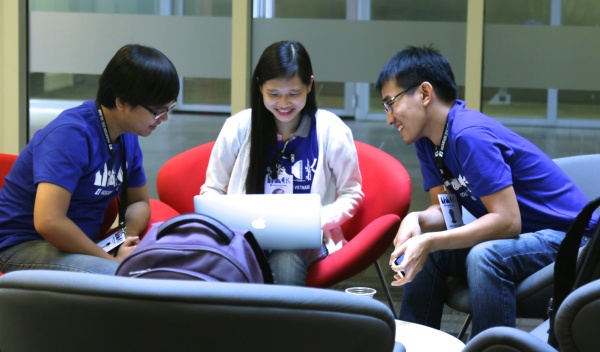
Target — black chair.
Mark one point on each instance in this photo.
(576, 328)
(68, 311)
(534, 292)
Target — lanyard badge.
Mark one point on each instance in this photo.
(449, 203)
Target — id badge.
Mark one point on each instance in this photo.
(284, 184)
(113, 241)
(451, 210)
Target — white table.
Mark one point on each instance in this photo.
(417, 337)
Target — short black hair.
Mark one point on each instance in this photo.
(138, 75)
(415, 65)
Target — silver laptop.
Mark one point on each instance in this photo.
(278, 221)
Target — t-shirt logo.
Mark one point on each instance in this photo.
(460, 186)
(107, 178)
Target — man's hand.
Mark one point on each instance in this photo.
(415, 251)
(127, 247)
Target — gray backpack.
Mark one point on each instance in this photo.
(197, 247)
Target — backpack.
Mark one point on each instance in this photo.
(570, 272)
(197, 247)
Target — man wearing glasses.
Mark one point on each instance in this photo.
(522, 201)
(53, 202)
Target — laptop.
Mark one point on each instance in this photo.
(278, 221)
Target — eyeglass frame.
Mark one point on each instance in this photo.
(158, 115)
(387, 104)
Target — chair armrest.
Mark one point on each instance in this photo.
(159, 212)
(505, 339)
(576, 324)
(534, 292)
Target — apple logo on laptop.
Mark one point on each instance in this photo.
(259, 224)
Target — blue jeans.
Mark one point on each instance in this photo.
(492, 269)
(42, 255)
(290, 267)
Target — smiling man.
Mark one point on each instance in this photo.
(522, 200)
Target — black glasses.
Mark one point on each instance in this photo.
(158, 115)
(387, 104)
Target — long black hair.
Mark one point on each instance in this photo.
(283, 59)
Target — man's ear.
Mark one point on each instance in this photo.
(119, 104)
(427, 92)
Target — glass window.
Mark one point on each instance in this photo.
(349, 40)
(535, 64)
(205, 67)
(437, 12)
(330, 9)
(130, 7)
(216, 8)
(423, 10)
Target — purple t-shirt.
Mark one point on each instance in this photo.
(485, 157)
(71, 152)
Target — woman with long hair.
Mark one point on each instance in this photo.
(284, 136)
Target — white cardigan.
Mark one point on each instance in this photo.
(337, 172)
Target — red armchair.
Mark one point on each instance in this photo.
(387, 189)
(6, 163)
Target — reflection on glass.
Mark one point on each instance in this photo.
(579, 104)
(215, 8)
(514, 102)
(330, 94)
(517, 12)
(207, 91)
(139, 7)
(62, 86)
(423, 10)
(330, 9)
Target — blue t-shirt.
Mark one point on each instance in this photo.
(71, 152)
(301, 155)
(485, 157)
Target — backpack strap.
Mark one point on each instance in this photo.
(223, 231)
(261, 257)
(565, 266)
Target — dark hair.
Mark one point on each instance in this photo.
(283, 59)
(138, 75)
(415, 65)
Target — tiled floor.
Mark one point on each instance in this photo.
(184, 131)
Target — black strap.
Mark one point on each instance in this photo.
(261, 257)
(223, 231)
(122, 198)
(565, 267)
(439, 157)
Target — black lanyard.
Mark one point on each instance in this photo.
(122, 198)
(439, 157)
(274, 172)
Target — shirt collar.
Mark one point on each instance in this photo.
(302, 130)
